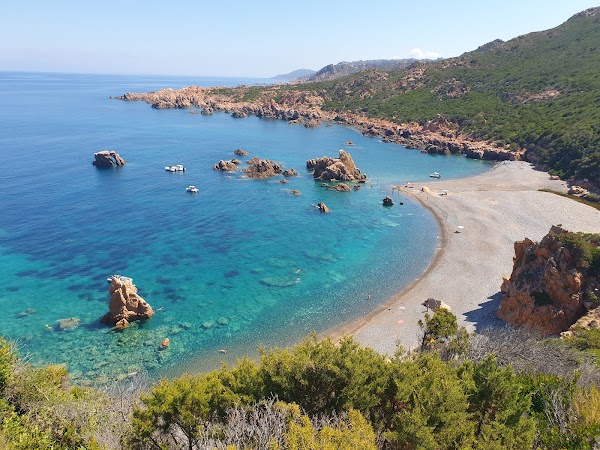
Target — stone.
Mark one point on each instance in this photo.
(68, 324)
(262, 168)
(165, 343)
(236, 161)
(342, 188)
(433, 304)
(125, 304)
(295, 192)
(241, 152)
(323, 207)
(225, 166)
(387, 201)
(207, 111)
(283, 181)
(289, 173)
(548, 286)
(342, 168)
(108, 158)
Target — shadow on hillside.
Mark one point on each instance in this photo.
(485, 316)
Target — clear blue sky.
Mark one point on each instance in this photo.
(254, 38)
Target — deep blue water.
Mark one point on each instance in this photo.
(210, 259)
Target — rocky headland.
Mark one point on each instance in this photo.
(554, 282)
(108, 158)
(439, 135)
(125, 304)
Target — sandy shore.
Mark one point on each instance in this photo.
(496, 209)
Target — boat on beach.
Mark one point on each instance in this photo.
(435, 175)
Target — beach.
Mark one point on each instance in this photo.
(495, 209)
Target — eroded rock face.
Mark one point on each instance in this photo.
(125, 305)
(108, 158)
(262, 168)
(226, 166)
(342, 168)
(548, 288)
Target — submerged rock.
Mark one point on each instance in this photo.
(108, 158)
(125, 305)
(68, 324)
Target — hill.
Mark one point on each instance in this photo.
(299, 73)
(539, 92)
(341, 69)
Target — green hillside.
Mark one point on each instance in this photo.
(540, 91)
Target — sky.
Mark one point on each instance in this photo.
(254, 38)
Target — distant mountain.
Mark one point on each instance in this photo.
(294, 74)
(333, 71)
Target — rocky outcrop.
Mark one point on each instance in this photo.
(241, 152)
(262, 168)
(387, 201)
(225, 166)
(341, 169)
(108, 158)
(289, 173)
(553, 282)
(207, 111)
(342, 188)
(323, 207)
(125, 305)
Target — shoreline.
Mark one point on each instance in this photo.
(496, 208)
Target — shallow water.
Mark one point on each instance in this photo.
(240, 264)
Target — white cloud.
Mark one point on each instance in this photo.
(423, 54)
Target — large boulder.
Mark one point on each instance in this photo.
(125, 304)
(552, 283)
(342, 168)
(262, 168)
(226, 166)
(108, 158)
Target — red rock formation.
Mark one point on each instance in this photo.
(548, 286)
(125, 305)
(262, 168)
(342, 168)
(108, 158)
(225, 166)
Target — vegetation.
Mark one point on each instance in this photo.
(539, 92)
(319, 395)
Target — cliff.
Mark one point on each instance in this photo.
(554, 282)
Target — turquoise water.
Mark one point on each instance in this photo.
(213, 260)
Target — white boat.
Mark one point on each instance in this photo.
(177, 168)
(192, 189)
(435, 175)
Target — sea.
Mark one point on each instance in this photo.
(243, 264)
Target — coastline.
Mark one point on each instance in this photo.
(496, 209)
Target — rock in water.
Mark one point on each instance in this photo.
(225, 166)
(323, 207)
(108, 158)
(262, 168)
(241, 152)
(125, 305)
(342, 168)
(68, 324)
(387, 201)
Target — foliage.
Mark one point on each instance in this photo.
(432, 407)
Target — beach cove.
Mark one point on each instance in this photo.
(495, 209)
(243, 263)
